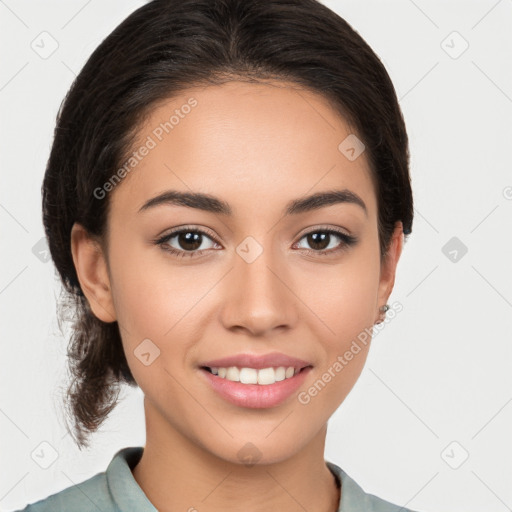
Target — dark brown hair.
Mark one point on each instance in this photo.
(160, 50)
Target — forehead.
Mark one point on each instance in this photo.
(250, 143)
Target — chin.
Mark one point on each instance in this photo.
(257, 451)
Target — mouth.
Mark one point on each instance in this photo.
(255, 388)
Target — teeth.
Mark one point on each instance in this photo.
(233, 373)
(263, 377)
(248, 376)
(280, 373)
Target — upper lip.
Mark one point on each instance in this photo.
(274, 359)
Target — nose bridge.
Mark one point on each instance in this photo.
(253, 265)
(258, 299)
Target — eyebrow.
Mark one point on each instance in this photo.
(209, 203)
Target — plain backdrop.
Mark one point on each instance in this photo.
(428, 424)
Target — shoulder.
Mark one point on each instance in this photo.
(90, 495)
(355, 499)
(110, 491)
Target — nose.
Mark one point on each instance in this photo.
(260, 295)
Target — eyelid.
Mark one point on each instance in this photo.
(324, 227)
(188, 227)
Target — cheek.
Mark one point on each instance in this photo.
(157, 300)
(151, 292)
(343, 300)
(343, 296)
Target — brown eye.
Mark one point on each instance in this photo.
(186, 242)
(321, 241)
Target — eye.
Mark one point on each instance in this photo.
(188, 241)
(321, 239)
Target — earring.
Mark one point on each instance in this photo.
(383, 310)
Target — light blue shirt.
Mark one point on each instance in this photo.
(116, 490)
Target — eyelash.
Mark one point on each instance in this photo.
(347, 241)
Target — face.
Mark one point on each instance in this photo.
(190, 286)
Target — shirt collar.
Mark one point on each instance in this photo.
(353, 497)
(125, 491)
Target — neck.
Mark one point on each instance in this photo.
(176, 473)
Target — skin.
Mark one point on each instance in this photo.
(249, 145)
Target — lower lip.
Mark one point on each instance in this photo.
(256, 396)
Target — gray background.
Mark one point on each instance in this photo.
(428, 425)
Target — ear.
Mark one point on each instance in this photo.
(388, 268)
(92, 271)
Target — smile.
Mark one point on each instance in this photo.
(263, 376)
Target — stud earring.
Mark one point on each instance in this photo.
(383, 310)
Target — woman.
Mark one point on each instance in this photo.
(226, 201)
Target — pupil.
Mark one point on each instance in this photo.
(190, 238)
(313, 240)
